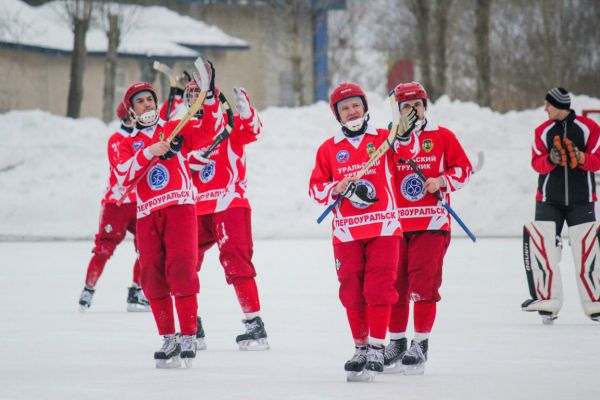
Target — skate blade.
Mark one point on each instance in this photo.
(174, 362)
(548, 320)
(360, 376)
(188, 362)
(83, 309)
(417, 369)
(254, 345)
(137, 308)
(200, 344)
(394, 368)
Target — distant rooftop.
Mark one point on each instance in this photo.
(153, 32)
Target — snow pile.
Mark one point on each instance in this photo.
(53, 169)
(46, 26)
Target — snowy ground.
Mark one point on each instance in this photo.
(483, 346)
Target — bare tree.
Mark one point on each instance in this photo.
(79, 13)
(482, 51)
(294, 45)
(421, 11)
(442, 13)
(111, 16)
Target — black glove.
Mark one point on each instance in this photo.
(175, 146)
(358, 192)
(554, 156)
(210, 70)
(406, 125)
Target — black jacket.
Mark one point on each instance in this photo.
(563, 185)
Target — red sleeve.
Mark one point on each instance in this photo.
(592, 154)
(321, 180)
(458, 167)
(114, 143)
(246, 130)
(539, 151)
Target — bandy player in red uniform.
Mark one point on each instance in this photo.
(426, 226)
(115, 222)
(366, 229)
(166, 226)
(223, 210)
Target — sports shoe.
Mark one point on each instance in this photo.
(85, 299)
(358, 360)
(415, 357)
(168, 355)
(375, 358)
(255, 337)
(136, 300)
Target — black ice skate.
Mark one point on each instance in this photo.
(392, 356)
(415, 358)
(374, 363)
(355, 367)
(595, 317)
(85, 300)
(255, 337)
(188, 349)
(168, 355)
(200, 343)
(136, 300)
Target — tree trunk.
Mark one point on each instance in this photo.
(441, 64)
(110, 68)
(482, 52)
(80, 28)
(296, 56)
(420, 9)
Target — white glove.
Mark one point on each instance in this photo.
(196, 161)
(242, 102)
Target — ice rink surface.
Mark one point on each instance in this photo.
(482, 347)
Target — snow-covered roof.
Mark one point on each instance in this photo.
(153, 32)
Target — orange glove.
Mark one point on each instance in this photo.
(559, 146)
(572, 151)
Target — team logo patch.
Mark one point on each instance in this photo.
(370, 149)
(138, 145)
(371, 193)
(342, 156)
(427, 145)
(338, 264)
(158, 177)
(412, 187)
(208, 172)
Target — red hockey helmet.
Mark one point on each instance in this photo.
(410, 91)
(344, 91)
(122, 113)
(136, 88)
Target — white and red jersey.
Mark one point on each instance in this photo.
(340, 157)
(164, 182)
(178, 108)
(438, 153)
(114, 191)
(221, 184)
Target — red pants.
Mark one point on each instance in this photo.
(115, 222)
(366, 271)
(232, 231)
(167, 242)
(419, 279)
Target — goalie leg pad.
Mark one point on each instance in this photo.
(541, 255)
(585, 246)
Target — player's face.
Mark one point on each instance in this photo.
(554, 113)
(144, 103)
(418, 104)
(351, 109)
